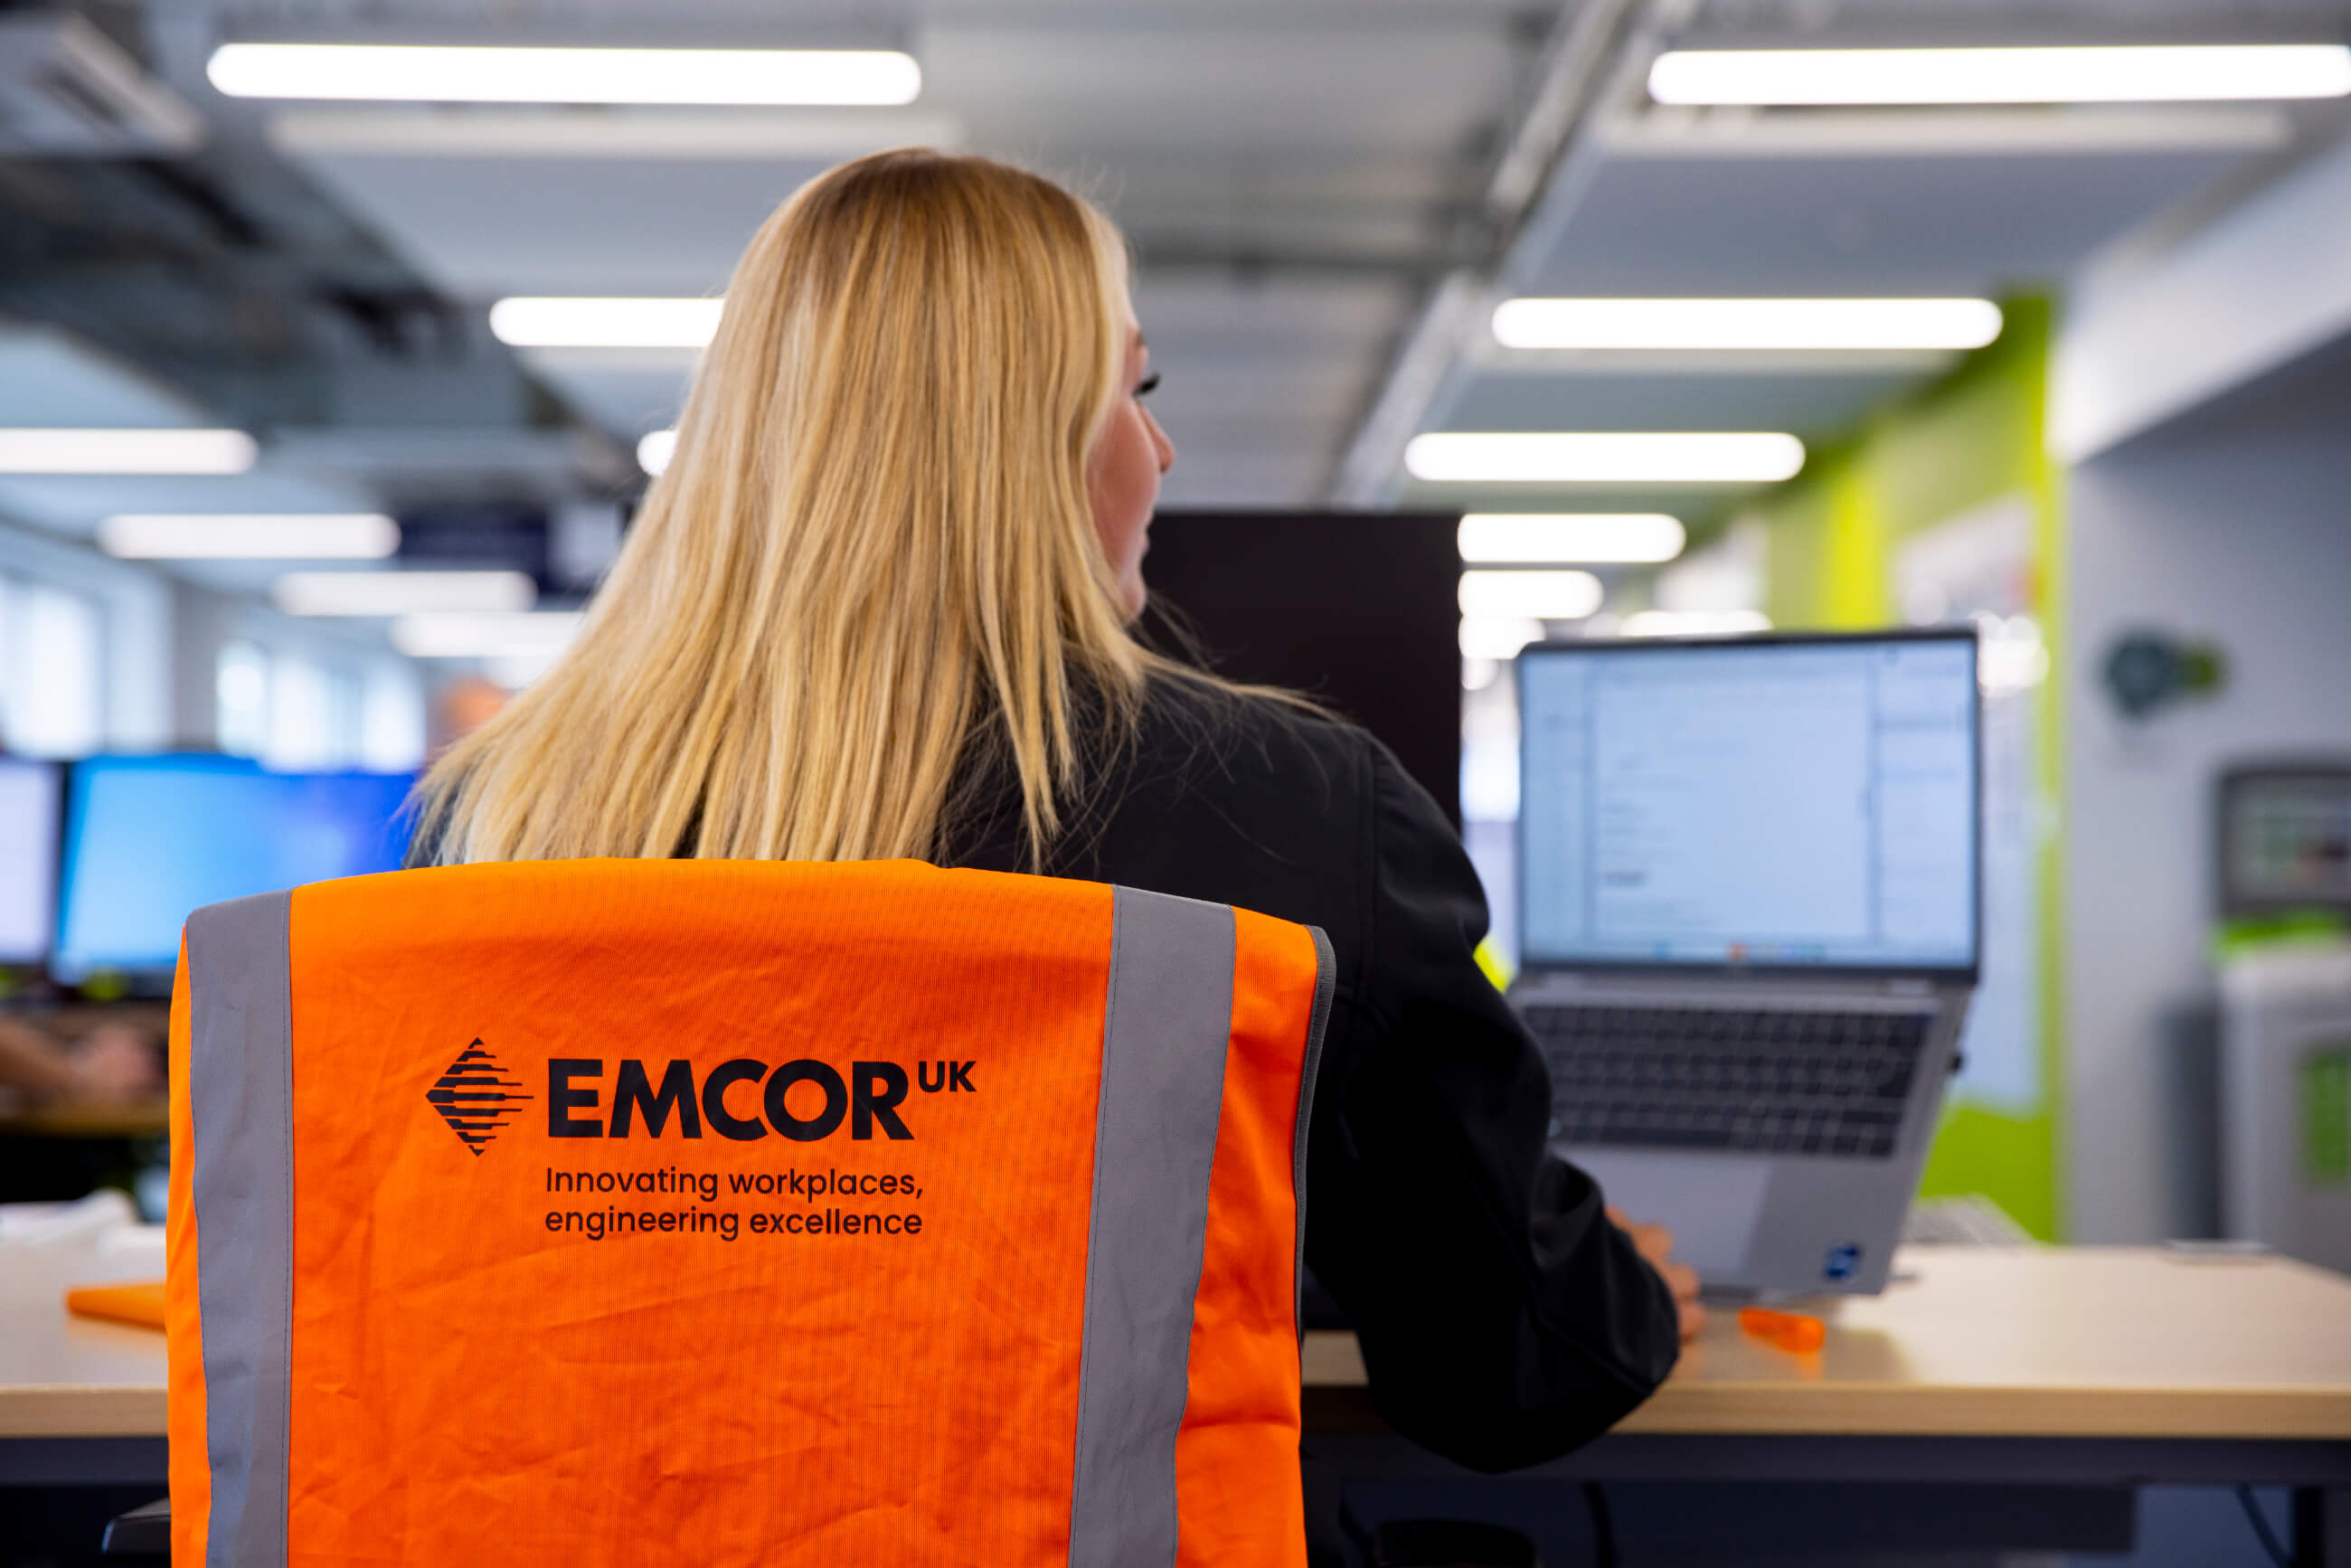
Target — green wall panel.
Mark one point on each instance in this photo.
(1969, 439)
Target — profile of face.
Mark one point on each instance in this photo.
(1123, 470)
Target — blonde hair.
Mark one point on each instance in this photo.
(870, 559)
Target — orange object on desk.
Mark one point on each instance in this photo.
(1790, 1330)
(141, 1302)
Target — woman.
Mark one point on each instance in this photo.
(878, 605)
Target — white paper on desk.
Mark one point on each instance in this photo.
(124, 1240)
(36, 1224)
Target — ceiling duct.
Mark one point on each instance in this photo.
(66, 92)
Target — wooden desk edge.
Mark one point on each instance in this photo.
(1758, 1410)
(1336, 1400)
(2260, 1414)
(82, 1410)
(1992, 1410)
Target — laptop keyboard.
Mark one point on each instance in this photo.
(1830, 1083)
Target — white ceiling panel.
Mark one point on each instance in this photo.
(1201, 402)
(75, 505)
(627, 390)
(1810, 405)
(1253, 80)
(1689, 502)
(49, 378)
(1916, 224)
(1264, 475)
(255, 577)
(1267, 313)
(485, 226)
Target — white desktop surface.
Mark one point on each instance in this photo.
(62, 1376)
(2007, 1341)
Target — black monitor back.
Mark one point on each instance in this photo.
(1358, 610)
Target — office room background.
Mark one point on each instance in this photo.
(329, 386)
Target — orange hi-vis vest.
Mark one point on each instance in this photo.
(606, 1212)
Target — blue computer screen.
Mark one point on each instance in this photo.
(28, 859)
(1798, 802)
(149, 839)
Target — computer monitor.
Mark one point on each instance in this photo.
(150, 839)
(28, 859)
(1360, 611)
(1804, 803)
(2286, 839)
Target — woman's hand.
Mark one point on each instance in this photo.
(1656, 1243)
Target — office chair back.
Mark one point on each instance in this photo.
(579, 1212)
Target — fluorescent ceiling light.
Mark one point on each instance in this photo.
(1731, 325)
(655, 450)
(1497, 636)
(2134, 74)
(1695, 624)
(332, 535)
(527, 322)
(442, 74)
(1571, 536)
(1528, 595)
(401, 592)
(46, 451)
(527, 635)
(1603, 457)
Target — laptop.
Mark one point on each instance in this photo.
(1750, 912)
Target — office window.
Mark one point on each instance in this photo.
(241, 700)
(391, 724)
(52, 670)
(314, 714)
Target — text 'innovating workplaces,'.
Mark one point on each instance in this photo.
(727, 1224)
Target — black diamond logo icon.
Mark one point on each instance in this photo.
(474, 1097)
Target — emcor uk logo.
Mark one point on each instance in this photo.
(477, 1101)
(474, 1097)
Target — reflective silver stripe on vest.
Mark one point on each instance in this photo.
(1326, 988)
(1167, 1026)
(241, 1093)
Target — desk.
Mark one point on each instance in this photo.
(2074, 1371)
(80, 1400)
(2084, 1368)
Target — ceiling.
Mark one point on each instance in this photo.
(1301, 179)
(1877, 208)
(1288, 171)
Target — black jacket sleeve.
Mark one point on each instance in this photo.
(1503, 1318)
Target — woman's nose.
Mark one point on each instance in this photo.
(1159, 437)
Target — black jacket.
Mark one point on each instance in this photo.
(1504, 1320)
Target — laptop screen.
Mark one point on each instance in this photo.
(1803, 802)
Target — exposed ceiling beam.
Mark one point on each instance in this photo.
(1536, 179)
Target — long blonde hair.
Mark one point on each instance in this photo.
(870, 558)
